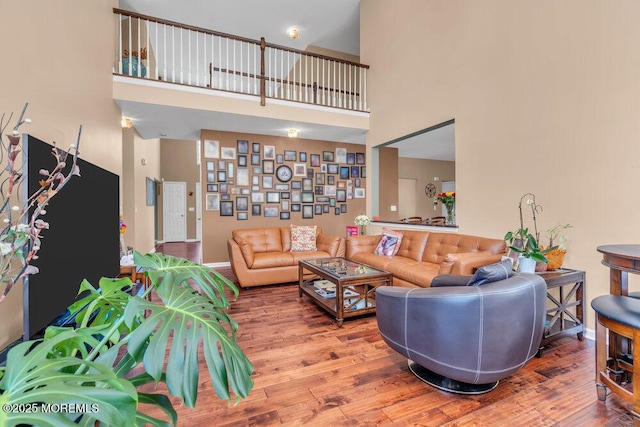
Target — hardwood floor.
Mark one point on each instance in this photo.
(309, 372)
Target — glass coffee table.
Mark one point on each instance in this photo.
(343, 288)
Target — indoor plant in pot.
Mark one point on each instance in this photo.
(526, 244)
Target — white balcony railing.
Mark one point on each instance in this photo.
(152, 48)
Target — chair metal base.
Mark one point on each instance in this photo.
(447, 384)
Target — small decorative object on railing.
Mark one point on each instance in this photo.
(194, 56)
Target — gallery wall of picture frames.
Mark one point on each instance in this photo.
(254, 179)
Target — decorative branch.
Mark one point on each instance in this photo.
(20, 236)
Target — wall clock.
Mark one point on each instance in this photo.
(430, 190)
(284, 173)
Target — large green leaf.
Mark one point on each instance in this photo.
(102, 306)
(165, 271)
(31, 377)
(188, 318)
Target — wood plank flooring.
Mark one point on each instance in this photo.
(309, 372)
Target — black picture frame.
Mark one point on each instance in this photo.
(242, 216)
(355, 171)
(242, 160)
(341, 195)
(295, 207)
(242, 146)
(267, 167)
(317, 209)
(307, 197)
(242, 203)
(307, 211)
(226, 208)
(212, 188)
(285, 215)
(255, 147)
(290, 156)
(255, 159)
(271, 212)
(333, 168)
(303, 156)
(351, 158)
(359, 158)
(327, 156)
(314, 160)
(344, 172)
(256, 210)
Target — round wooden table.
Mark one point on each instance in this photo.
(621, 260)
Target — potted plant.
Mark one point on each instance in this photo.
(91, 370)
(526, 245)
(557, 245)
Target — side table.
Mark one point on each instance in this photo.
(561, 321)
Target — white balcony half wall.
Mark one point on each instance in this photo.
(162, 109)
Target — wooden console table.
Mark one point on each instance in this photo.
(560, 320)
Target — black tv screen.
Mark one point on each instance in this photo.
(82, 242)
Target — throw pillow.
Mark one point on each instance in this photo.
(392, 233)
(389, 243)
(492, 273)
(303, 238)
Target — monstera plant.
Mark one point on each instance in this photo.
(92, 371)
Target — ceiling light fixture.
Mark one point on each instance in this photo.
(126, 123)
(293, 33)
(293, 133)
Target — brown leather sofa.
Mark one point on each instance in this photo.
(424, 255)
(263, 256)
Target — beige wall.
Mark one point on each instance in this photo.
(423, 171)
(217, 229)
(545, 96)
(179, 165)
(67, 81)
(387, 183)
(139, 217)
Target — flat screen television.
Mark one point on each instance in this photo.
(83, 241)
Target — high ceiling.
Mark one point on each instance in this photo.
(329, 24)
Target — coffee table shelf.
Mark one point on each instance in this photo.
(344, 274)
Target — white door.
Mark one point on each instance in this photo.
(174, 211)
(406, 198)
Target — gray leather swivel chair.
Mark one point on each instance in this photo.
(464, 339)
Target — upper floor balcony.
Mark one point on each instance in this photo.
(157, 50)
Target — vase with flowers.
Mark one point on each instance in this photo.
(362, 220)
(448, 199)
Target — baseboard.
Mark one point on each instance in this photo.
(590, 334)
(217, 264)
(192, 240)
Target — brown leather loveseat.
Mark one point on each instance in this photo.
(263, 256)
(423, 255)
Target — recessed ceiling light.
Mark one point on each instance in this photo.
(126, 123)
(293, 33)
(163, 134)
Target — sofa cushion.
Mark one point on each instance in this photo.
(303, 238)
(376, 261)
(416, 272)
(328, 244)
(247, 250)
(272, 259)
(413, 244)
(447, 263)
(261, 239)
(492, 273)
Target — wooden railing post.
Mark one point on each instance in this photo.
(262, 76)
